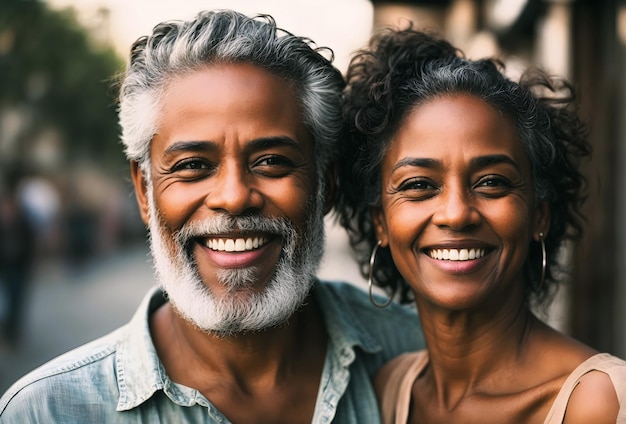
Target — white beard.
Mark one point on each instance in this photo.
(238, 311)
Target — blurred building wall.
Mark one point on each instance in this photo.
(620, 154)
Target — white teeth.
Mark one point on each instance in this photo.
(457, 254)
(229, 245)
(235, 245)
(240, 245)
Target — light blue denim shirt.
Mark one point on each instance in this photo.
(119, 378)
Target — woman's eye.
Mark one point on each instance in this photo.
(274, 161)
(493, 181)
(417, 189)
(416, 184)
(493, 185)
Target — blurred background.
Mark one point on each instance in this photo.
(72, 246)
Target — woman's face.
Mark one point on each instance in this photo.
(458, 211)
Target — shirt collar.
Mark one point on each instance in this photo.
(140, 372)
(338, 302)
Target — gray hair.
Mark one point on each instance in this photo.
(225, 36)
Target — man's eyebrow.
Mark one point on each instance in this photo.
(273, 141)
(190, 146)
(210, 146)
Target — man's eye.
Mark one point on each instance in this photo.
(274, 161)
(192, 168)
(273, 166)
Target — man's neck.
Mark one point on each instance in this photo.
(274, 361)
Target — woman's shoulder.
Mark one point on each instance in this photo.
(397, 368)
(393, 383)
(594, 390)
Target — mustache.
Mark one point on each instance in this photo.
(222, 224)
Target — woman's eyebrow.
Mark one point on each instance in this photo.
(478, 162)
(488, 160)
(417, 162)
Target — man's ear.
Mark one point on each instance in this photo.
(330, 179)
(380, 225)
(141, 191)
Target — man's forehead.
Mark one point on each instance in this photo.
(222, 103)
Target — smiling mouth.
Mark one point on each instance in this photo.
(240, 244)
(456, 254)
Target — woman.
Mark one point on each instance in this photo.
(464, 184)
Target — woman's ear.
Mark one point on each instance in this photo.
(380, 225)
(141, 191)
(541, 222)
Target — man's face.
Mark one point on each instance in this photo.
(234, 205)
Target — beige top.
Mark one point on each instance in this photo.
(406, 368)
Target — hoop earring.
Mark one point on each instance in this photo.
(371, 277)
(544, 260)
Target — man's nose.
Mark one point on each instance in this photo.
(233, 191)
(457, 209)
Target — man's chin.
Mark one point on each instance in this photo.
(238, 279)
(251, 302)
(236, 310)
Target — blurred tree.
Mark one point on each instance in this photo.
(55, 82)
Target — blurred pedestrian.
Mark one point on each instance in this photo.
(17, 252)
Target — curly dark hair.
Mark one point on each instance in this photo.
(403, 68)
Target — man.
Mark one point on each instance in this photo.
(231, 127)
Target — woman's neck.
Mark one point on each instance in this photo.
(465, 347)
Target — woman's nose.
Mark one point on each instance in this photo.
(457, 210)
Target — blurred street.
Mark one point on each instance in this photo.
(67, 307)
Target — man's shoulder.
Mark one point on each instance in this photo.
(379, 333)
(72, 377)
(357, 299)
(347, 307)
